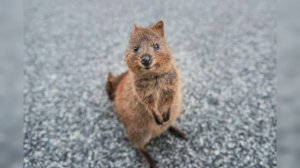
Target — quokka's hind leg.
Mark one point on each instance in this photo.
(139, 141)
(148, 157)
(177, 132)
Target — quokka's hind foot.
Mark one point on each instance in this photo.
(152, 163)
(178, 133)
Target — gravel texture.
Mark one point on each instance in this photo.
(225, 50)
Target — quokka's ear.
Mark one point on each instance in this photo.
(135, 28)
(158, 28)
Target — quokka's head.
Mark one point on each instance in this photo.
(148, 52)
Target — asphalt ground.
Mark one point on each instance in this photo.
(225, 50)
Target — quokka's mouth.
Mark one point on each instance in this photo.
(149, 67)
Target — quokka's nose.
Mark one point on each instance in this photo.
(146, 60)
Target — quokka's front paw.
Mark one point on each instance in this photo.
(166, 116)
(158, 119)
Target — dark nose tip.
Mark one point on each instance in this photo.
(146, 60)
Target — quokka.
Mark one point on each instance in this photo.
(147, 97)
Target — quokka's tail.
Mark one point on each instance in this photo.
(112, 84)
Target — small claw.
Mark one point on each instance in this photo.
(166, 116)
(158, 119)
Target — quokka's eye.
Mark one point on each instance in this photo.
(156, 46)
(136, 49)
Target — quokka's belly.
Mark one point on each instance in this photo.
(134, 115)
(175, 112)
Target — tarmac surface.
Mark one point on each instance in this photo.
(226, 53)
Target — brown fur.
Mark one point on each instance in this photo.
(149, 101)
(112, 83)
